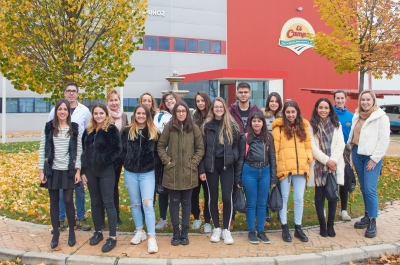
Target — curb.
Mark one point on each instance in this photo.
(336, 257)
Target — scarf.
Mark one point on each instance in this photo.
(324, 134)
(117, 117)
(363, 116)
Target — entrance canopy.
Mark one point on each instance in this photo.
(352, 93)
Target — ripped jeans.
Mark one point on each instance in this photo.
(141, 191)
(177, 198)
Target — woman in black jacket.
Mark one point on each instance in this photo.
(139, 155)
(101, 148)
(221, 138)
(256, 171)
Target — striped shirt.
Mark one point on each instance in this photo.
(61, 156)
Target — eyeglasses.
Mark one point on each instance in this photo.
(71, 91)
(169, 99)
(218, 107)
(181, 111)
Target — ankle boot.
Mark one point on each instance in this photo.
(363, 223)
(371, 229)
(331, 230)
(322, 228)
(175, 241)
(54, 240)
(300, 234)
(285, 234)
(184, 235)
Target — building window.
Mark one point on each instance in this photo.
(130, 104)
(216, 46)
(179, 44)
(150, 43)
(42, 106)
(12, 105)
(163, 44)
(25, 105)
(192, 46)
(204, 46)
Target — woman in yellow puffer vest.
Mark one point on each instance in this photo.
(293, 155)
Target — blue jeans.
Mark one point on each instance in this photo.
(79, 203)
(256, 183)
(368, 181)
(141, 185)
(299, 184)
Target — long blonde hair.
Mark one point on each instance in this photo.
(153, 101)
(228, 123)
(93, 124)
(134, 128)
(374, 107)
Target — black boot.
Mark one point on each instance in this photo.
(175, 241)
(371, 229)
(322, 228)
(184, 235)
(300, 234)
(363, 223)
(331, 230)
(54, 240)
(285, 234)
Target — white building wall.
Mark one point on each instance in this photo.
(387, 84)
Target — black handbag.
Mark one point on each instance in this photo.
(275, 202)
(331, 188)
(159, 171)
(239, 201)
(349, 178)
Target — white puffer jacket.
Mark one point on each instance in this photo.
(337, 148)
(374, 136)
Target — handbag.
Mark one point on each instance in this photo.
(275, 202)
(331, 188)
(239, 201)
(159, 171)
(349, 176)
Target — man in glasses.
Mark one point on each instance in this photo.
(80, 114)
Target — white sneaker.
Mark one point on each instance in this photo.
(216, 235)
(139, 237)
(161, 224)
(227, 237)
(207, 228)
(152, 245)
(196, 224)
(345, 216)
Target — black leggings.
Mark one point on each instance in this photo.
(163, 205)
(55, 209)
(319, 200)
(196, 203)
(177, 198)
(344, 197)
(226, 178)
(117, 169)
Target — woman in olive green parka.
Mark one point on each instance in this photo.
(180, 149)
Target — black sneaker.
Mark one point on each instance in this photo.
(96, 238)
(253, 238)
(109, 245)
(263, 237)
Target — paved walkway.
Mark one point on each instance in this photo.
(36, 238)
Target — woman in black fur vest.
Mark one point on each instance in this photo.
(101, 148)
(60, 165)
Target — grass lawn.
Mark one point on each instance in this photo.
(21, 197)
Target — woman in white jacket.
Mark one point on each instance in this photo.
(370, 137)
(327, 149)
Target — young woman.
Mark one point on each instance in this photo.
(221, 140)
(180, 149)
(273, 109)
(203, 104)
(327, 149)
(370, 137)
(101, 149)
(139, 153)
(166, 107)
(60, 165)
(293, 155)
(120, 120)
(148, 100)
(256, 170)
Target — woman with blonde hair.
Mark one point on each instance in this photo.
(221, 140)
(369, 137)
(101, 143)
(139, 155)
(148, 100)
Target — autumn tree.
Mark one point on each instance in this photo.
(47, 43)
(364, 38)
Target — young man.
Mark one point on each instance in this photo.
(345, 118)
(81, 115)
(241, 111)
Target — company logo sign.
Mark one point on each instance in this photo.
(294, 35)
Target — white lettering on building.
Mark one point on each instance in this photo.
(155, 12)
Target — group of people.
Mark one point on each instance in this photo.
(217, 148)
